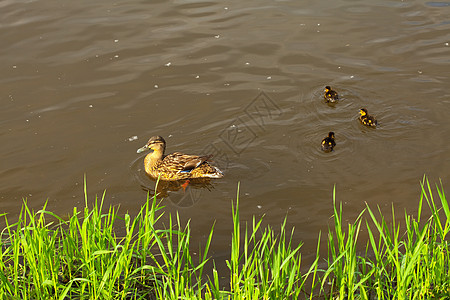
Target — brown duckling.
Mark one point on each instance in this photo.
(176, 166)
(367, 120)
(330, 95)
(328, 143)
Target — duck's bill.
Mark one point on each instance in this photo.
(142, 149)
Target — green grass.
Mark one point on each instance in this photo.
(82, 258)
(397, 264)
(44, 256)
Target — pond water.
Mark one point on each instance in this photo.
(84, 84)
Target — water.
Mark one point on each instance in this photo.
(85, 84)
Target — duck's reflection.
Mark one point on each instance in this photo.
(183, 193)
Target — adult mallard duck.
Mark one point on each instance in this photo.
(176, 166)
(330, 95)
(328, 143)
(367, 120)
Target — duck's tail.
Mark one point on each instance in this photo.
(216, 174)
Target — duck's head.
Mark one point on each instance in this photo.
(155, 143)
(363, 111)
(331, 134)
(327, 89)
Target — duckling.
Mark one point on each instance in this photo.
(328, 143)
(367, 120)
(176, 166)
(330, 95)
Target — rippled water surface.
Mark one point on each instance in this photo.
(84, 84)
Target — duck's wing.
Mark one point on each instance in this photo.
(328, 143)
(180, 162)
(371, 121)
(374, 121)
(194, 161)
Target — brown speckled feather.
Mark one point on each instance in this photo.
(178, 166)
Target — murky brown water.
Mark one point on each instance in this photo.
(241, 79)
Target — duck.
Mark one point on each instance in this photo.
(176, 166)
(367, 120)
(330, 95)
(328, 142)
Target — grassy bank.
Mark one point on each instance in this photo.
(44, 256)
